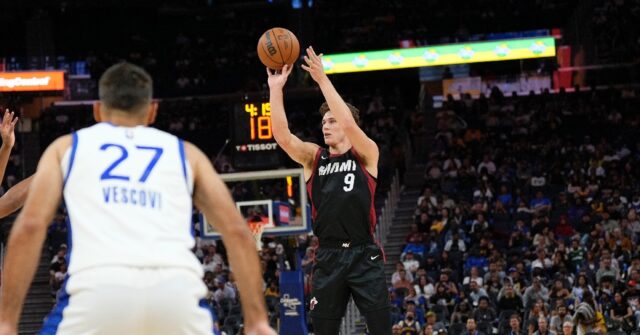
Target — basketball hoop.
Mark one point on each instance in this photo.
(257, 228)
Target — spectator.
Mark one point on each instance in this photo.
(472, 328)
(403, 281)
(424, 288)
(514, 325)
(61, 255)
(564, 230)
(618, 240)
(272, 290)
(409, 325)
(581, 286)
(505, 197)
(540, 204)
(445, 281)
(543, 328)
(576, 254)
(418, 312)
(308, 260)
(510, 300)
(414, 246)
(606, 270)
(432, 321)
(474, 275)
(58, 277)
(413, 298)
(534, 292)
(223, 291)
(463, 310)
(397, 275)
(455, 244)
(484, 313)
(208, 264)
(494, 269)
(410, 263)
(559, 293)
(443, 296)
(441, 224)
(567, 328)
(487, 164)
(428, 330)
(542, 261)
(414, 234)
(423, 222)
(476, 292)
(558, 320)
(621, 314)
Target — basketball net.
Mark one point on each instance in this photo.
(257, 228)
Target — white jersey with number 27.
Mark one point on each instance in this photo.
(128, 193)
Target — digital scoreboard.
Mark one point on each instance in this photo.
(253, 144)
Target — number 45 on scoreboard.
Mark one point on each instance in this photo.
(260, 125)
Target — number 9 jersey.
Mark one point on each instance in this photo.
(127, 191)
(342, 198)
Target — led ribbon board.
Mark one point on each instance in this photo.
(34, 81)
(447, 54)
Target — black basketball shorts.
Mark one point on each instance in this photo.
(343, 272)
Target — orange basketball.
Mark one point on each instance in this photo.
(277, 47)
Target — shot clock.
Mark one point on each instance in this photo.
(254, 146)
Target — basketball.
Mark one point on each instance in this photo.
(277, 47)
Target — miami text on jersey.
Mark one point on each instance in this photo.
(330, 168)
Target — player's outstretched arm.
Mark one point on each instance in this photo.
(299, 151)
(8, 139)
(15, 197)
(28, 234)
(213, 198)
(366, 147)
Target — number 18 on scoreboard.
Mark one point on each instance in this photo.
(254, 144)
(259, 123)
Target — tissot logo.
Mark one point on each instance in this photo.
(256, 147)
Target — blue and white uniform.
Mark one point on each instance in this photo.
(128, 193)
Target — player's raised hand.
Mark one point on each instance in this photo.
(314, 65)
(277, 78)
(262, 328)
(6, 129)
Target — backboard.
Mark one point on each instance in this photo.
(278, 198)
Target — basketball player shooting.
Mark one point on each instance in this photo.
(341, 181)
(129, 191)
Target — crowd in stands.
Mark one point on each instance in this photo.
(528, 220)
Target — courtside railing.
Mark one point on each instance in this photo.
(388, 210)
(385, 219)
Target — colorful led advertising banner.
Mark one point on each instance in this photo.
(33, 81)
(461, 53)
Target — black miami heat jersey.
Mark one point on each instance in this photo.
(342, 194)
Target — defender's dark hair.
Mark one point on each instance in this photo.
(324, 108)
(125, 87)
